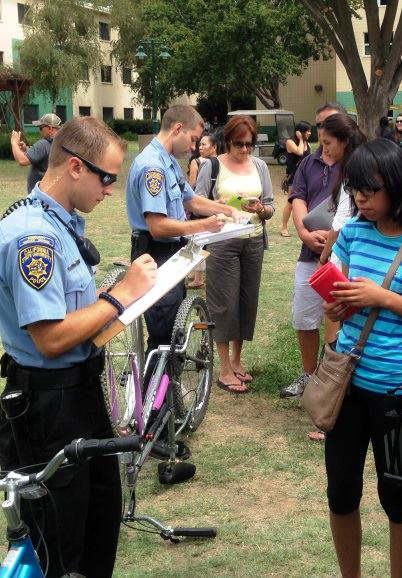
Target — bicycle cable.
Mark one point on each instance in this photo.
(141, 529)
(57, 531)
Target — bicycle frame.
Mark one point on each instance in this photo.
(158, 399)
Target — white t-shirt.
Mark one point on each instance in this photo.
(342, 215)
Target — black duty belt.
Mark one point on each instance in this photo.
(34, 378)
(145, 243)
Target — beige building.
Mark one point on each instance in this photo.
(104, 95)
(327, 80)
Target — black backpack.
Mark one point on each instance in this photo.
(214, 176)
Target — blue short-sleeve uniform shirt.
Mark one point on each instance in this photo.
(42, 278)
(156, 184)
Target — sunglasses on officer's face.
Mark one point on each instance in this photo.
(105, 178)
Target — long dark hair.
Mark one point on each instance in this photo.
(302, 126)
(374, 160)
(342, 127)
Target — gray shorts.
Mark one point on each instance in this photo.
(307, 304)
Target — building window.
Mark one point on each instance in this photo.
(146, 113)
(106, 73)
(104, 31)
(23, 16)
(84, 110)
(61, 111)
(22, 13)
(126, 75)
(382, 2)
(128, 114)
(31, 112)
(85, 73)
(366, 44)
(107, 113)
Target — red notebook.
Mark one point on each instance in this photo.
(323, 281)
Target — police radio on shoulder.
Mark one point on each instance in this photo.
(113, 301)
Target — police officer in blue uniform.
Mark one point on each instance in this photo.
(49, 311)
(157, 196)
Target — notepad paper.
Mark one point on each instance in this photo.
(229, 231)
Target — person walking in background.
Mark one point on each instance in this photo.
(233, 269)
(206, 148)
(367, 245)
(297, 149)
(37, 155)
(313, 183)
(384, 130)
(398, 130)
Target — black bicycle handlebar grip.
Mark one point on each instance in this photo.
(82, 449)
(196, 532)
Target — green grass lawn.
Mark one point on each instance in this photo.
(259, 479)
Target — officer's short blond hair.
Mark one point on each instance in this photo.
(86, 136)
(185, 114)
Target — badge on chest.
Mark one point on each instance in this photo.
(36, 259)
(154, 181)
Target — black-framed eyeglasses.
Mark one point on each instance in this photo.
(106, 178)
(239, 144)
(398, 121)
(352, 192)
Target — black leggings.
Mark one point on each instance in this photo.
(361, 420)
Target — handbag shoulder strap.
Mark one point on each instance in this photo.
(368, 326)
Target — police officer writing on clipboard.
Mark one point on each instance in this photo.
(157, 196)
(49, 311)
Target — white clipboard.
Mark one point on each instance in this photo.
(228, 231)
(168, 275)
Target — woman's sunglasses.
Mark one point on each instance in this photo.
(239, 144)
(105, 178)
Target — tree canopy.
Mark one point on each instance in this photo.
(373, 94)
(217, 46)
(61, 42)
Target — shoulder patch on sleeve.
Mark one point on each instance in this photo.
(154, 179)
(36, 259)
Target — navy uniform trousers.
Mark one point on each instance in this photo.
(64, 405)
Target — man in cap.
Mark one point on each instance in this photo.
(38, 154)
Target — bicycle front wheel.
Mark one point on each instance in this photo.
(192, 370)
(123, 354)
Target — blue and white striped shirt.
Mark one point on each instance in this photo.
(369, 254)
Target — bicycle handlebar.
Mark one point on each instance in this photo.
(82, 449)
(76, 451)
(195, 532)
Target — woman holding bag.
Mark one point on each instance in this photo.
(367, 245)
(234, 266)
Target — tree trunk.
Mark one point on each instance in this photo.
(371, 106)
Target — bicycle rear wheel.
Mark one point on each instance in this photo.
(192, 370)
(117, 378)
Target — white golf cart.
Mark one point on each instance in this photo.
(278, 125)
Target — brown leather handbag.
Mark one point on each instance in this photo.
(327, 386)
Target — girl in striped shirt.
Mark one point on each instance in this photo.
(366, 247)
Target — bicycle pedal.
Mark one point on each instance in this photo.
(176, 473)
(160, 451)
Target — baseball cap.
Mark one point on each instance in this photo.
(49, 119)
